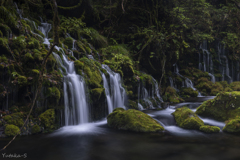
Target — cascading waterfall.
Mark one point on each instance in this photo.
(188, 82)
(155, 86)
(75, 98)
(45, 28)
(107, 92)
(207, 61)
(118, 93)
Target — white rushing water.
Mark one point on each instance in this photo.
(117, 93)
(107, 92)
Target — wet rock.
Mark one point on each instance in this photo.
(133, 120)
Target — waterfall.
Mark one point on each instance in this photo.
(107, 92)
(155, 86)
(75, 98)
(145, 98)
(118, 93)
(74, 88)
(188, 82)
(45, 28)
(207, 61)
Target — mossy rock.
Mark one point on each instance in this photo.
(48, 119)
(22, 80)
(235, 86)
(36, 129)
(68, 42)
(53, 92)
(209, 129)
(15, 119)
(171, 95)
(188, 92)
(11, 130)
(98, 93)
(132, 104)
(28, 57)
(216, 88)
(78, 64)
(33, 44)
(232, 126)
(19, 43)
(187, 119)
(132, 120)
(224, 106)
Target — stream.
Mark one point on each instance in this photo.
(96, 141)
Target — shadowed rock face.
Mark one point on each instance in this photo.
(133, 120)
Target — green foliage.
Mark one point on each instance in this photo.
(188, 92)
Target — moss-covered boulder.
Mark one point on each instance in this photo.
(188, 92)
(216, 88)
(235, 86)
(15, 119)
(224, 106)
(172, 96)
(11, 130)
(36, 129)
(209, 129)
(133, 120)
(48, 119)
(232, 126)
(187, 119)
(68, 42)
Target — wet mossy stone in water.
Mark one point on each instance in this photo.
(209, 129)
(11, 130)
(15, 119)
(224, 106)
(232, 126)
(187, 119)
(48, 119)
(132, 120)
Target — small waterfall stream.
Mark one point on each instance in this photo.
(118, 93)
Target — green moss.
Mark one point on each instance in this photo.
(235, 86)
(98, 93)
(53, 92)
(36, 129)
(15, 119)
(37, 55)
(132, 104)
(11, 130)
(33, 44)
(78, 64)
(223, 107)
(171, 95)
(209, 129)
(19, 43)
(28, 57)
(68, 42)
(4, 59)
(133, 120)
(88, 50)
(106, 62)
(216, 88)
(48, 119)
(188, 92)
(232, 126)
(186, 118)
(22, 80)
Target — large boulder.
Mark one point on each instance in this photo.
(133, 120)
(187, 119)
(224, 106)
(232, 126)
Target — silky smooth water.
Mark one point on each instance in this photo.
(96, 141)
